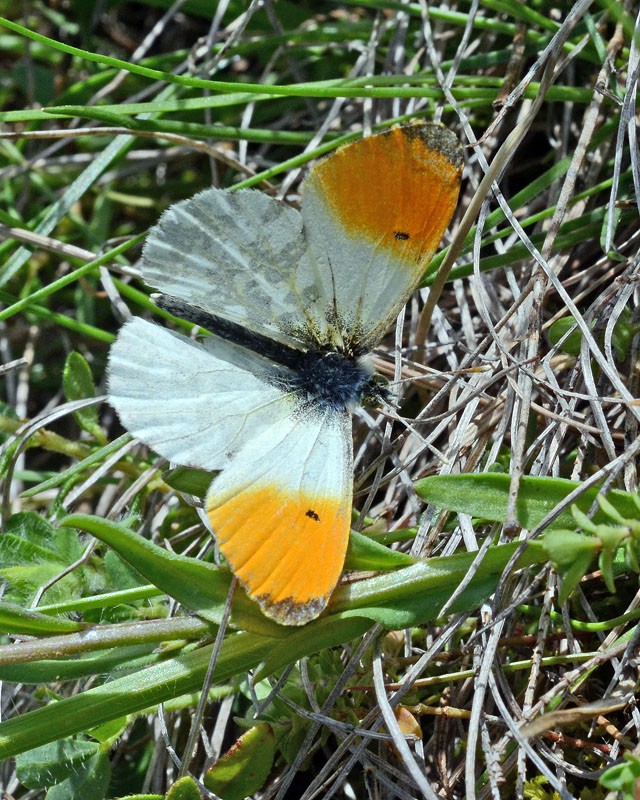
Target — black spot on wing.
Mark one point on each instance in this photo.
(312, 515)
(401, 235)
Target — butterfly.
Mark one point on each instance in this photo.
(294, 301)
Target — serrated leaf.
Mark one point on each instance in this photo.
(37, 540)
(32, 552)
(245, 767)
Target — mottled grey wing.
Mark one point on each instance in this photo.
(242, 256)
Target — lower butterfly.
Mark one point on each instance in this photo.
(294, 302)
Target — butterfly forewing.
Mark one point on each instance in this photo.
(240, 255)
(374, 214)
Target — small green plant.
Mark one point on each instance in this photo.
(573, 552)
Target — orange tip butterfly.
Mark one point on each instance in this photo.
(294, 300)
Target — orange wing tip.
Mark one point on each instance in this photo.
(436, 137)
(398, 189)
(292, 612)
(286, 548)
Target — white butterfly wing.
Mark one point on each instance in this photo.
(374, 214)
(196, 404)
(281, 513)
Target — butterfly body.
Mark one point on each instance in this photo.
(318, 377)
(294, 301)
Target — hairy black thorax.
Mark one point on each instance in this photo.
(325, 378)
(336, 381)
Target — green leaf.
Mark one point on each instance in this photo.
(184, 789)
(415, 594)
(44, 766)
(32, 552)
(111, 730)
(622, 337)
(485, 495)
(571, 554)
(572, 577)
(99, 663)
(145, 797)
(89, 782)
(15, 619)
(134, 692)
(622, 777)
(199, 586)
(189, 480)
(78, 385)
(245, 767)
(364, 553)
(564, 546)
(560, 328)
(606, 565)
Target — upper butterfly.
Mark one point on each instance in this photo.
(295, 301)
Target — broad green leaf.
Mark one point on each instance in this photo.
(110, 731)
(43, 766)
(120, 573)
(573, 342)
(245, 767)
(89, 782)
(415, 595)
(32, 552)
(622, 777)
(564, 546)
(406, 593)
(198, 585)
(33, 528)
(132, 693)
(485, 495)
(622, 338)
(184, 789)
